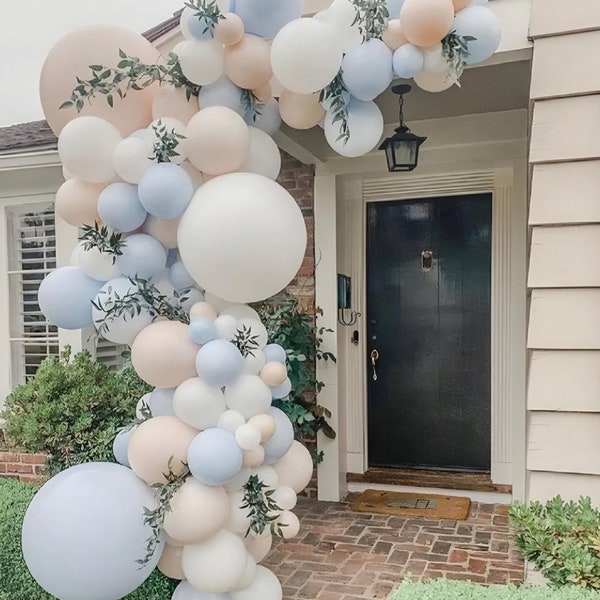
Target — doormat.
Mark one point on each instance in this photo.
(400, 504)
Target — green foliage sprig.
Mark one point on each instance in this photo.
(262, 509)
(129, 74)
(562, 539)
(166, 142)
(207, 12)
(372, 17)
(334, 95)
(104, 240)
(155, 517)
(245, 341)
(251, 105)
(455, 49)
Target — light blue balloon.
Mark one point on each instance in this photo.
(267, 119)
(143, 257)
(219, 363)
(160, 402)
(394, 7)
(407, 61)
(202, 331)
(214, 456)
(121, 444)
(275, 353)
(482, 24)
(199, 28)
(165, 190)
(282, 439)
(480, 3)
(120, 208)
(172, 257)
(222, 93)
(281, 391)
(184, 591)
(65, 297)
(179, 277)
(367, 69)
(84, 533)
(266, 17)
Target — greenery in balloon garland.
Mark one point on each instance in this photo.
(372, 16)
(155, 517)
(455, 49)
(166, 144)
(251, 105)
(129, 74)
(262, 508)
(206, 12)
(245, 341)
(335, 95)
(104, 240)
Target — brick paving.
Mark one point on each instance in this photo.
(344, 555)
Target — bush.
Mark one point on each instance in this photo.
(71, 409)
(442, 589)
(16, 583)
(562, 540)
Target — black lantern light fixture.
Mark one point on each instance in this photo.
(402, 149)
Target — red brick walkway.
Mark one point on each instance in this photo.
(343, 555)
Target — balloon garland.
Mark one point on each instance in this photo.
(170, 175)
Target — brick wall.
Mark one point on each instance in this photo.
(24, 467)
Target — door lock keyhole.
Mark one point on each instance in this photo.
(426, 261)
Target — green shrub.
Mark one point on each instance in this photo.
(442, 589)
(16, 583)
(71, 409)
(562, 540)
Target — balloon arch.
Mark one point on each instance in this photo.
(170, 175)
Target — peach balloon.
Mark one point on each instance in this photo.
(254, 458)
(300, 111)
(426, 22)
(460, 4)
(163, 355)
(264, 92)
(295, 468)
(218, 140)
(248, 63)
(195, 175)
(392, 35)
(197, 512)
(164, 231)
(172, 102)
(203, 309)
(265, 424)
(170, 562)
(229, 30)
(273, 374)
(70, 58)
(155, 443)
(76, 202)
(433, 82)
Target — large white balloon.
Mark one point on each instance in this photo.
(198, 404)
(265, 586)
(202, 61)
(248, 395)
(306, 55)
(342, 14)
(84, 531)
(247, 227)
(132, 157)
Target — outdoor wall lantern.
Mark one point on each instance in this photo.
(402, 149)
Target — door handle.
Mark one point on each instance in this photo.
(426, 261)
(374, 358)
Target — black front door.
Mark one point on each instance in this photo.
(428, 314)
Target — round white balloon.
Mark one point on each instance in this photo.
(264, 157)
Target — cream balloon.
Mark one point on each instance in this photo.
(295, 468)
(195, 175)
(254, 458)
(231, 420)
(170, 562)
(248, 395)
(342, 15)
(98, 265)
(392, 35)
(230, 29)
(132, 157)
(254, 362)
(70, 58)
(163, 355)
(433, 82)
(460, 4)
(165, 231)
(76, 202)
(239, 518)
(300, 111)
(285, 497)
(248, 63)
(240, 311)
(265, 424)
(426, 22)
(198, 404)
(264, 157)
(203, 309)
(265, 586)
(218, 140)
(86, 146)
(173, 102)
(202, 61)
(248, 437)
(273, 374)
(434, 60)
(259, 547)
(289, 524)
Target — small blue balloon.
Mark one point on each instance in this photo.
(367, 69)
(120, 208)
(202, 331)
(407, 61)
(394, 7)
(214, 456)
(275, 353)
(198, 27)
(165, 190)
(222, 93)
(268, 119)
(172, 257)
(143, 257)
(266, 17)
(281, 391)
(160, 402)
(65, 297)
(219, 363)
(282, 439)
(179, 277)
(121, 444)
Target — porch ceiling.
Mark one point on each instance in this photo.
(488, 89)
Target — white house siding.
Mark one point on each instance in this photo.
(563, 401)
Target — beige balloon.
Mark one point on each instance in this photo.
(70, 58)
(273, 374)
(170, 562)
(164, 231)
(259, 547)
(265, 424)
(230, 29)
(173, 102)
(248, 63)
(392, 35)
(300, 111)
(264, 93)
(218, 140)
(433, 82)
(460, 4)
(426, 22)
(295, 468)
(197, 512)
(289, 524)
(156, 443)
(254, 458)
(76, 202)
(203, 309)
(163, 355)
